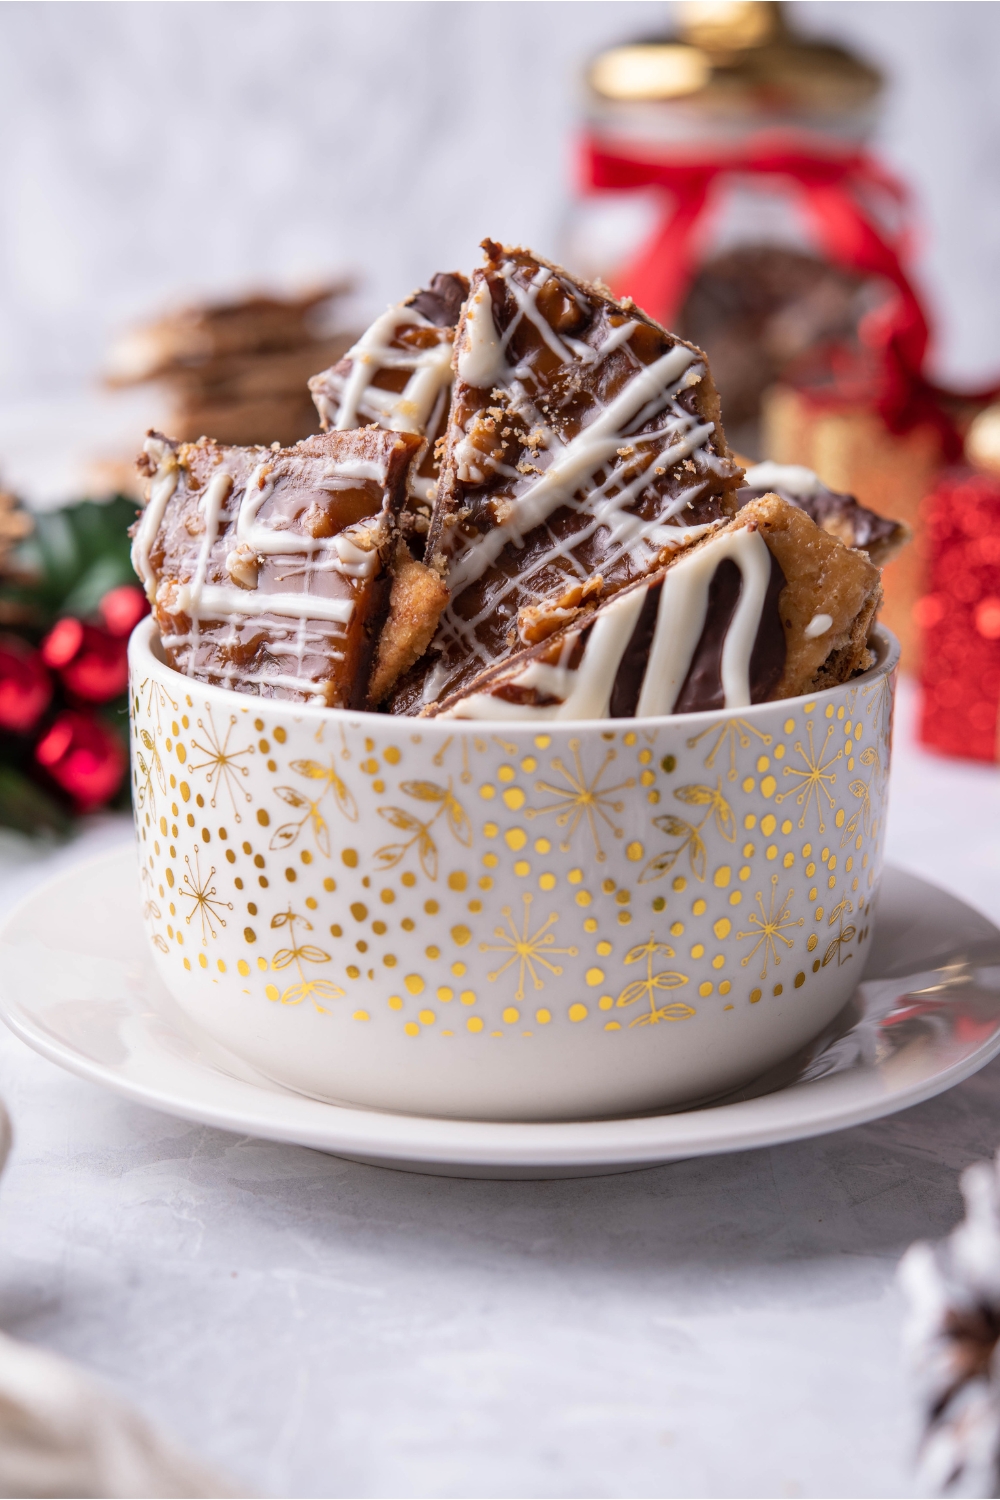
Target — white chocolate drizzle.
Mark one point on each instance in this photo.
(398, 411)
(585, 691)
(350, 400)
(216, 602)
(681, 615)
(577, 461)
(791, 479)
(599, 473)
(212, 502)
(481, 360)
(270, 541)
(161, 488)
(293, 623)
(818, 625)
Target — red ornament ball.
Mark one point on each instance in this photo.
(91, 661)
(123, 608)
(84, 757)
(959, 617)
(25, 685)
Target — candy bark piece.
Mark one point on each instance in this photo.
(398, 375)
(417, 599)
(840, 515)
(829, 603)
(584, 444)
(268, 568)
(729, 622)
(196, 338)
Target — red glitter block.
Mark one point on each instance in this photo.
(959, 617)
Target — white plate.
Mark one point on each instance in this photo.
(77, 984)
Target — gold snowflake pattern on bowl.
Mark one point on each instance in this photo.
(625, 879)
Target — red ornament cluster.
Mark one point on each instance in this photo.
(50, 696)
(959, 617)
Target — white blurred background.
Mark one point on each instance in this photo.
(157, 152)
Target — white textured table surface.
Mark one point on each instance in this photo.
(718, 1327)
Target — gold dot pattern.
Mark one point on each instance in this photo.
(533, 880)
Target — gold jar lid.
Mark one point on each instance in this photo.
(982, 441)
(736, 57)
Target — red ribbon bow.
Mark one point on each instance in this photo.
(845, 194)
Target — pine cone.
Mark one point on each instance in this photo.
(15, 525)
(952, 1335)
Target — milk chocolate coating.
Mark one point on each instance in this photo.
(770, 649)
(840, 514)
(259, 651)
(565, 395)
(702, 688)
(441, 302)
(632, 669)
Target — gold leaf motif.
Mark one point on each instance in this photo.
(715, 806)
(285, 836)
(427, 855)
(461, 827)
(702, 796)
(310, 954)
(400, 818)
(661, 865)
(291, 796)
(390, 855)
(862, 814)
(299, 954)
(647, 988)
(296, 993)
(424, 791)
(844, 936)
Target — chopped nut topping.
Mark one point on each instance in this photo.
(243, 565)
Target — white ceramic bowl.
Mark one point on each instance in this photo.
(508, 922)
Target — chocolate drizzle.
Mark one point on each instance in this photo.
(398, 376)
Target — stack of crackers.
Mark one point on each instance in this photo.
(237, 370)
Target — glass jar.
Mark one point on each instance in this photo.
(691, 196)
